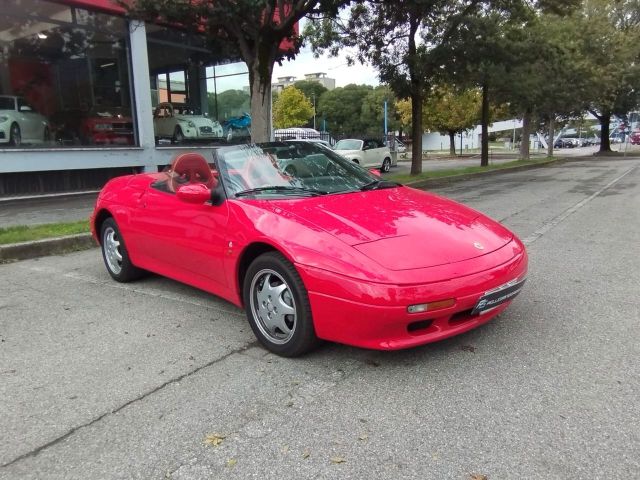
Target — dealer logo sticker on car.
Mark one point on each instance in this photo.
(498, 296)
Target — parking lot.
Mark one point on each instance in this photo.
(158, 380)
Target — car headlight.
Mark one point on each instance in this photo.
(103, 126)
(3, 119)
(191, 124)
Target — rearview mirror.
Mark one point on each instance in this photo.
(196, 193)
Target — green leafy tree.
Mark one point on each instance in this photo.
(253, 30)
(488, 47)
(450, 111)
(291, 109)
(607, 35)
(341, 109)
(312, 90)
(396, 37)
(372, 111)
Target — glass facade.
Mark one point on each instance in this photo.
(64, 77)
(198, 97)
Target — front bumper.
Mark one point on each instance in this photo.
(375, 316)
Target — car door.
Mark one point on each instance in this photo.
(162, 119)
(369, 153)
(376, 153)
(182, 237)
(29, 125)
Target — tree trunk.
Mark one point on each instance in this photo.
(260, 105)
(416, 132)
(452, 143)
(416, 98)
(484, 156)
(526, 132)
(260, 60)
(605, 121)
(552, 133)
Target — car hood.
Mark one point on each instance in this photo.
(401, 228)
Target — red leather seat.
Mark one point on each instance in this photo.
(191, 168)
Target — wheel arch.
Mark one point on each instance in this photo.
(248, 255)
(99, 219)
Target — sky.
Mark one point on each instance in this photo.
(334, 68)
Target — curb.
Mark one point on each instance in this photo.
(48, 246)
(431, 182)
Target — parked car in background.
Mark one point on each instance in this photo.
(566, 142)
(296, 133)
(315, 141)
(368, 152)
(179, 123)
(20, 123)
(98, 126)
(634, 138)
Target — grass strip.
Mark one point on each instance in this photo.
(38, 232)
(407, 178)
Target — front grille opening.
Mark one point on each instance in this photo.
(461, 317)
(418, 327)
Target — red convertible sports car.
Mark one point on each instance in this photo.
(312, 246)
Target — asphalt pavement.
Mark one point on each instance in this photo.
(158, 380)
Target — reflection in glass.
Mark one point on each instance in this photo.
(63, 82)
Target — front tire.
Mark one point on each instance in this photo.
(15, 136)
(115, 255)
(278, 307)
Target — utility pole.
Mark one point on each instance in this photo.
(385, 119)
(314, 110)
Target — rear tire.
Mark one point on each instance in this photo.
(178, 136)
(278, 307)
(115, 255)
(386, 165)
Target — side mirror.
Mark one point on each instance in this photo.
(375, 172)
(195, 193)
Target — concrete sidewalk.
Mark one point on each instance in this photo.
(46, 209)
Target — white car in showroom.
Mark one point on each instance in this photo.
(178, 123)
(20, 123)
(368, 152)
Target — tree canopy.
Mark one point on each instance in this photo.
(253, 30)
(291, 109)
(407, 41)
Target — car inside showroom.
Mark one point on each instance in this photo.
(86, 95)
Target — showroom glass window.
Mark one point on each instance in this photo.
(199, 96)
(64, 77)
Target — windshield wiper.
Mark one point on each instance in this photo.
(379, 184)
(280, 188)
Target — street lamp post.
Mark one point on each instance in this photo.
(314, 110)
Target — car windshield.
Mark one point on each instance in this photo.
(348, 145)
(290, 169)
(7, 103)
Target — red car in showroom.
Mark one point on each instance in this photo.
(313, 247)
